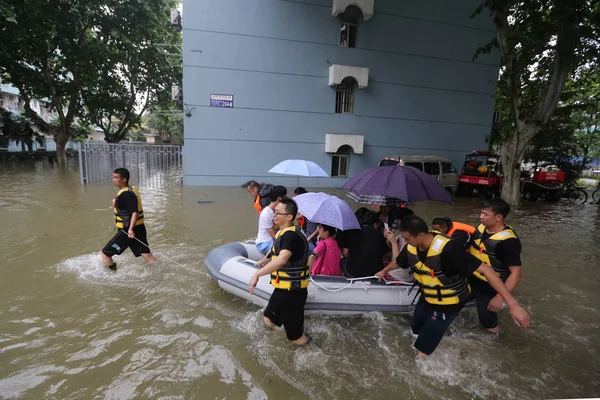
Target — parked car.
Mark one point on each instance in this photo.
(437, 166)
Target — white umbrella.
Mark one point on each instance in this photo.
(298, 168)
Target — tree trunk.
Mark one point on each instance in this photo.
(511, 155)
(61, 139)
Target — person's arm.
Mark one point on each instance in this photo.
(519, 315)
(393, 241)
(312, 235)
(311, 260)
(401, 261)
(274, 265)
(509, 253)
(271, 232)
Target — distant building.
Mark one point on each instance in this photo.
(338, 82)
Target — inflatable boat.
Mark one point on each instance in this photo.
(233, 264)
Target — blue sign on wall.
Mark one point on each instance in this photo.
(221, 100)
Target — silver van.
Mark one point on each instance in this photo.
(437, 166)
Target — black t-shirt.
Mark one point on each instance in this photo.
(366, 256)
(455, 261)
(461, 237)
(127, 201)
(292, 242)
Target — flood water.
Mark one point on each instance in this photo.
(69, 328)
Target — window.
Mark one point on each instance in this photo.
(339, 162)
(432, 168)
(448, 168)
(388, 163)
(416, 165)
(348, 35)
(339, 166)
(344, 96)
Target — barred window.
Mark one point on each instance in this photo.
(348, 35)
(340, 161)
(344, 96)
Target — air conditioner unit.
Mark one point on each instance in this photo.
(176, 93)
(175, 17)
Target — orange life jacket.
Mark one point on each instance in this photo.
(257, 205)
(302, 223)
(459, 226)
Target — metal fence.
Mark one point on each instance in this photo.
(149, 166)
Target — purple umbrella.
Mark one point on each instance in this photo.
(324, 208)
(404, 183)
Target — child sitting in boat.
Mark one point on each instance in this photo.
(325, 258)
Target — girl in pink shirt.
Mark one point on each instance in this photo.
(325, 258)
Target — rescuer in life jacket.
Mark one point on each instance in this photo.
(129, 221)
(457, 231)
(497, 245)
(441, 268)
(260, 193)
(287, 266)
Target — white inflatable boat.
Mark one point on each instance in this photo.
(232, 266)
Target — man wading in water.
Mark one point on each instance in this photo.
(289, 275)
(129, 220)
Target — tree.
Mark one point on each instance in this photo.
(71, 52)
(542, 43)
(168, 123)
(16, 128)
(142, 71)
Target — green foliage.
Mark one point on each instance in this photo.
(168, 123)
(16, 128)
(92, 59)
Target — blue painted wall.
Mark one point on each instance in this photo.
(425, 94)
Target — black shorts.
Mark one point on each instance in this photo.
(286, 307)
(430, 325)
(120, 242)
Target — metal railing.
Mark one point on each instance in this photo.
(149, 166)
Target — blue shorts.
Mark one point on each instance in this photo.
(264, 247)
(430, 326)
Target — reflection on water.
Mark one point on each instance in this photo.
(71, 329)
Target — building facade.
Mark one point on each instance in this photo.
(342, 83)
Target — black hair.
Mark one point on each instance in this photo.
(442, 221)
(252, 184)
(290, 207)
(360, 214)
(300, 190)
(123, 173)
(413, 225)
(497, 206)
(403, 213)
(277, 192)
(330, 229)
(371, 217)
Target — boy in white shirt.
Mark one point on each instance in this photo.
(266, 231)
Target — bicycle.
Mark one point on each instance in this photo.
(577, 194)
(596, 195)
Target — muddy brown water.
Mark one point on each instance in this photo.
(70, 329)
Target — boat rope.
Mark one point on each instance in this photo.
(103, 209)
(163, 255)
(351, 280)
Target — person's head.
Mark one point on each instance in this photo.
(277, 194)
(251, 187)
(414, 230)
(360, 214)
(326, 231)
(493, 212)
(285, 213)
(372, 218)
(120, 178)
(441, 224)
(299, 190)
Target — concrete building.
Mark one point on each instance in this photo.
(338, 82)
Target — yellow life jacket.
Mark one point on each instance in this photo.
(436, 287)
(293, 275)
(122, 217)
(486, 250)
